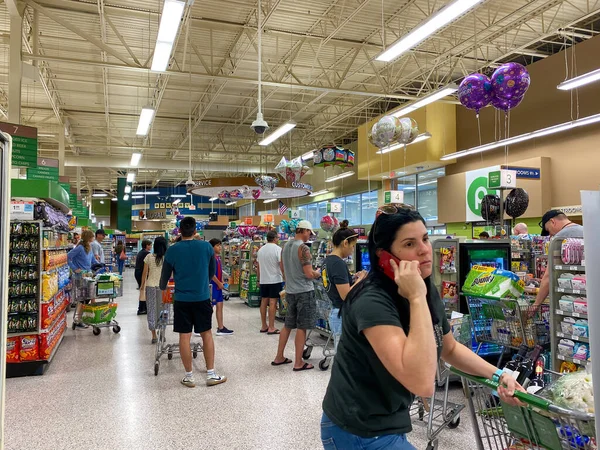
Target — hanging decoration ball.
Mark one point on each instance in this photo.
(318, 158)
(383, 131)
(490, 208)
(475, 92)
(516, 202)
(255, 194)
(175, 231)
(236, 193)
(267, 182)
(406, 131)
(506, 104)
(336, 224)
(246, 192)
(224, 195)
(327, 223)
(510, 80)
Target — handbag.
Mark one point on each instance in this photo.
(123, 255)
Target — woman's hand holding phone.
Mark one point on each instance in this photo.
(407, 276)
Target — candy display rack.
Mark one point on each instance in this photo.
(231, 265)
(445, 272)
(249, 290)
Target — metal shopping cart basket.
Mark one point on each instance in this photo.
(437, 413)
(540, 424)
(164, 318)
(326, 340)
(98, 314)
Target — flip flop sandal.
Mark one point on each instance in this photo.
(306, 366)
(274, 332)
(264, 331)
(285, 361)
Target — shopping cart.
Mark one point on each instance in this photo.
(164, 318)
(326, 340)
(540, 424)
(98, 314)
(437, 413)
(508, 323)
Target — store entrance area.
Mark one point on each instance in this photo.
(101, 392)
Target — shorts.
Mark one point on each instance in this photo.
(270, 290)
(217, 295)
(301, 311)
(196, 316)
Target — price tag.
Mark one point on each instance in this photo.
(393, 197)
(576, 291)
(573, 268)
(21, 210)
(561, 357)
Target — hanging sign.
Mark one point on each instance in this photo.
(502, 179)
(248, 220)
(294, 214)
(476, 182)
(531, 173)
(24, 144)
(393, 197)
(268, 218)
(47, 169)
(21, 210)
(334, 207)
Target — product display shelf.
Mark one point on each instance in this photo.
(231, 265)
(445, 272)
(567, 326)
(109, 257)
(31, 343)
(249, 264)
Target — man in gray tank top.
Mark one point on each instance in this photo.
(296, 266)
(555, 223)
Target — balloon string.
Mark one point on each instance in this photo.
(479, 131)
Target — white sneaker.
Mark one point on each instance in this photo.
(188, 381)
(216, 379)
(197, 334)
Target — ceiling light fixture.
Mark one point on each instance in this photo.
(102, 202)
(430, 98)
(146, 117)
(230, 203)
(137, 196)
(524, 137)
(147, 193)
(128, 189)
(167, 32)
(135, 159)
(283, 129)
(420, 138)
(270, 200)
(308, 155)
(114, 199)
(322, 191)
(213, 199)
(130, 177)
(340, 176)
(579, 81)
(432, 24)
(99, 194)
(178, 195)
(126, 197)
(175, 202)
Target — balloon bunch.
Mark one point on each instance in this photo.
(333, 155)
(247, 230)
(292, 170)
(390, 129)
(230, 232)
(504, 90)
(267, 183)
(201, 224)
(175, 231)
(234, 194)
(289, 227)
(330, 223)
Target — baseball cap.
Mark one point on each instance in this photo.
(547, 217)
(306, 225)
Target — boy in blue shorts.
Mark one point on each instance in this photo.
(217, 289)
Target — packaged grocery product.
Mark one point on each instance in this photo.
(566, 325)
(13, 346)
(581, 351)
(100, 312)
(567, 367)
(580, 328)
(580, 306)
(565, 281)
(579, 282)
(29, 348)
(490, 282)
(574, 391)
(566, 348)
(566, 304)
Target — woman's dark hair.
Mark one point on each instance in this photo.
(160, 248)
(146, 243)
(341, 235)
(344, 224)
(119, 247)
(382, 236)
(214, 242)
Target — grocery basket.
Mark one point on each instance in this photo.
(98, 314)
(321, 328)
(540, 424)
(436, 412)
(508, 322)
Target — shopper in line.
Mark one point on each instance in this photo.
(270, 279)
(150, 290)
(80, 261)
(139, 268)
(300, 294)
(216, 284)
(97, 246)
(380, 366)
(73, 243)
(192, 265)
(484, 235)
(336, 277)
(119, 256)
(554, 223)
(520, 229)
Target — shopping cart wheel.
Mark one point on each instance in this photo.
(455, 423)
(74, 326)
(195, 354)
(170, 356)
(156, 366)
(432, 445)
(324, 364)
(96, 331)
(116, 329)
(307, 352)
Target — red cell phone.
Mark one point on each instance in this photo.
(384, 263)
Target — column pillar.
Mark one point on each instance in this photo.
(15, 69)
(61, 151)
(123, 207)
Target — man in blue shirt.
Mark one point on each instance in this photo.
(192, 264)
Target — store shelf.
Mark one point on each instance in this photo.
(55, 248)
(574, 361)
(55, 347)
(56, 269)
(58, 315)
(52, 298)
(571, 291)
(569, 268)
(560, 312)
(22, 333)
(572, 337)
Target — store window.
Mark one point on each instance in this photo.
(322, 210)
(368, 207)
(353, 210)
(427, 194)
(312, 214)
(246, 210)
(408, 186)
(342, 201)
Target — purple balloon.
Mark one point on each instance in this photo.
(510, 80)
(506, 105)
(475, 91)
(175, 231)
(180, 216)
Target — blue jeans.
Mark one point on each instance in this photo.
(334, 438)
(120, 264)
(335, 325)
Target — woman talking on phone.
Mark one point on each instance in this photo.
(394, 331)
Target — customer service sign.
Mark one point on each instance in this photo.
(476, 182)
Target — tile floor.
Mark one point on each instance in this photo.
(100, 392)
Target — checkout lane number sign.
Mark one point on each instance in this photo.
(476, 182)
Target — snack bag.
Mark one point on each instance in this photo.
(495, 283)
(12, 350)
(29, 348)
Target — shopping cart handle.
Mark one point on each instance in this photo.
(531, 400)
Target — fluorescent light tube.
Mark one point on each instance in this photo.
(230, 204)
(581, 80)
(135, 159)
(339, 177)
(269, 201)
(524, 137)
(167, 32)
(146, 193)
(175, 202)
(308, 155)
(128, 189)
(137, 196)
(146, 117)
(430, 98)
(390, 148)
(178, 195)
(212, 199)
(322, 191)
(438, 20)
(283, 129)
(130, 177)
(100, 194)
(114, 199)
(126, 197)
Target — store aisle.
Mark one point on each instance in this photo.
(100, 392)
